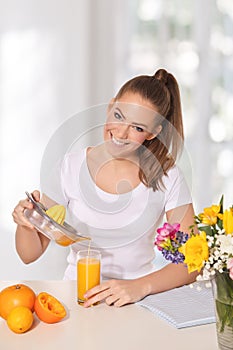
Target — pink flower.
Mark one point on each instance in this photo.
(230, 267)
(167, 230)
(165, 234)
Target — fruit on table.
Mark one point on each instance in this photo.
(16, 295)
(20, 319)
(48, 308)
(18, 302)
(57, 213)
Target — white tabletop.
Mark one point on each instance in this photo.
(102, 327)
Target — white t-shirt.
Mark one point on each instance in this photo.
(122, 226)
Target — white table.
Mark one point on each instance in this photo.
(102, 327)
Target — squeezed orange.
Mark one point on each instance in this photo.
(88, 275)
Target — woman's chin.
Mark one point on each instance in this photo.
(122, 151)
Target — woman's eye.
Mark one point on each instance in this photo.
(117, 116)
(137, 128)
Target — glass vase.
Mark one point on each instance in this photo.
(222, 286)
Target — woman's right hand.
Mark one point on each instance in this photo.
(18, 213)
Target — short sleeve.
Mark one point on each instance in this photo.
(177, 192)
(70, 169)
(51, 184)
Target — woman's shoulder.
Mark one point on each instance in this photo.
(177, 190)
(173, 174)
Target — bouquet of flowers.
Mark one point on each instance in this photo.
(209, 252)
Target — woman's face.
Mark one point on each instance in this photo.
(131, 120)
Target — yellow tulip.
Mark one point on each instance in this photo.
(210, 215)
(228, 221)
(196, 252)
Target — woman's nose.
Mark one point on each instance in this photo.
(122, 130)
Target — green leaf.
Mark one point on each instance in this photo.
(207, 230)
(221, 204)
(219, 221)
(220, 224)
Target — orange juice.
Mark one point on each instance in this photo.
(64, 241)
(88, 272)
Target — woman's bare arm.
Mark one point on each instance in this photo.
(30, 244)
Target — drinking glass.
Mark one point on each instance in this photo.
(88, 272)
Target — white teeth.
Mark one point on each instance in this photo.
(117, 142)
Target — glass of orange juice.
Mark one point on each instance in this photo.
(88, 272)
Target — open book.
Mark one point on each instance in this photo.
(183, 307)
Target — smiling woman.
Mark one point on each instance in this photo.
(119, 190)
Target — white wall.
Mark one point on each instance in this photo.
(53, 64)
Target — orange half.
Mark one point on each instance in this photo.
(48, 308)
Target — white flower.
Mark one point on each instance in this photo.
(210, 239)
(211, 260)
(221, 231)
(226, 244)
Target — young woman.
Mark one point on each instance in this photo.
(120, 190)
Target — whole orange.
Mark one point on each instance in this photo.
(16, 295)
(20, 319)
(48, 308)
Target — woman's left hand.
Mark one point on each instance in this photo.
(116, 292)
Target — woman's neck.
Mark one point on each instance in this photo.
(113, 175)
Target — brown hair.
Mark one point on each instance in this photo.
(158, 155)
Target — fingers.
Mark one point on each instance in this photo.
(113, 300)
(109, 291)
(116, 292)
(96, 294)
(36, 195)
(18, 213)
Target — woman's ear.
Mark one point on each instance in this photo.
(157, 131)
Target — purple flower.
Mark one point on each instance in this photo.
(181, 237)
(175, 257)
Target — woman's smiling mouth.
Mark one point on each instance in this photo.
(119, 142)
